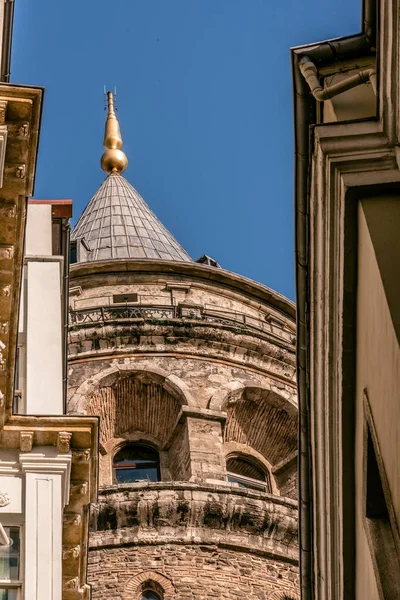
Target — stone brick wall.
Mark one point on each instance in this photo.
(207, 459)
(232, 517)
(287, 481)
(204, 370)
(179, 455)
(161, 291)
(196, 572)
(204, 375)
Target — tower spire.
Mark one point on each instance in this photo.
(114, 159)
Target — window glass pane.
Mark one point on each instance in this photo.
(149, 595)
(132, 475)
(73, 253)
(118, 298)
(9, 557)
(233, 479)
(136, 453)
(11, 594)
(136, 462)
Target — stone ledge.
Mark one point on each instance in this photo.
(183, 513)
(84, 331)
(195, 271)
(242, 350)
(222, 488)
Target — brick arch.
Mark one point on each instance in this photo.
(228, 390)
(135, 585)
(243, 450)
(134, 402)
(285, 394)
(171, 383)
(114, 444)
(260, 417)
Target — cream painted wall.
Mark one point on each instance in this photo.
(44, 373)
(378, 371)
(38, 230)
(40, 324)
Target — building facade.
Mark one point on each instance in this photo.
(191, 370)
(347, 108)
(48, 461)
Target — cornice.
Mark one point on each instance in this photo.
(139, 332)
(353, 155)
(231, 348)
(242, 520)
(193, 271)
(82, 433)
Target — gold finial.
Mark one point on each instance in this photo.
(113, 159)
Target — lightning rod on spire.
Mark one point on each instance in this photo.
(114, 159)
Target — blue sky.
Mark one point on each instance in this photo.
(204, 95)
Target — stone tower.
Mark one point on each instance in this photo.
(191, 369)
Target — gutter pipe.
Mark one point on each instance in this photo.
(65, 307)
(8, 20)
(305, 118)
(309, 72)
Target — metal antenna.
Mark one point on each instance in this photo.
(105, 99)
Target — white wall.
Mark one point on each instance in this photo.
(44, 370)
(40, 329)
(38, 230)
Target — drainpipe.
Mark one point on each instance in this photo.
(309, 72)
(65, 250)
(8, 19)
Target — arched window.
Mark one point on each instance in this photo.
(136, 462)
(247, 473)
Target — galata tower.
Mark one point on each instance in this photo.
(191, 370)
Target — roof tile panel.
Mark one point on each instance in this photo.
(136, 231)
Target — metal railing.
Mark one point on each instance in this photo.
(126, 313)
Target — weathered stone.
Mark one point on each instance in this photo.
(205, 383)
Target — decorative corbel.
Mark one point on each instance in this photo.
(64, 442)
(25, 441)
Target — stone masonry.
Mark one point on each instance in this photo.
(201, 367)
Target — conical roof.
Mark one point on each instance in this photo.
(117, 223)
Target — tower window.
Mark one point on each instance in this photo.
(247, 474)
(136, 462)
(73, 253)
(149, 595)
(380, 530)
(124, 298)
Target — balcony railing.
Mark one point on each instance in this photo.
(126, 313)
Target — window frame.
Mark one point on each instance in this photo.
(18, 584)
(128, 466)
(249, 482)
